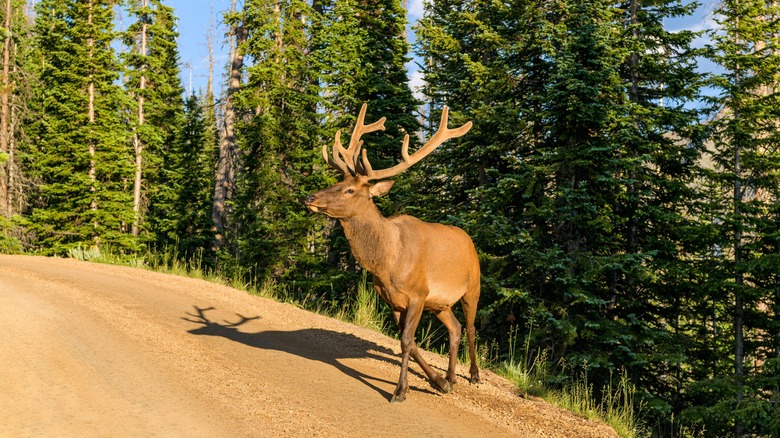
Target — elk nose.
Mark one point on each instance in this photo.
(311, 198)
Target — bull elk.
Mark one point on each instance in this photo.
(415, 265)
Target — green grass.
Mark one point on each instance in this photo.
(615, 409)
(526, 369)
(529, 372)
(365, 310)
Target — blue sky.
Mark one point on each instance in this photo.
(196, 16)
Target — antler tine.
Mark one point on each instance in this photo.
(361, 128)
(347, 160)
(335, 161)
(355, 143)
(442, 134)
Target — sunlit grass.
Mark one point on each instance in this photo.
(615, 409)
(365, 309)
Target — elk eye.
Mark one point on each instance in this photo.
(349, 191)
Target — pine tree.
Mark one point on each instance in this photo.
(576, 180)
(276, 152)
(740, 396)
(152, 79)
(17, 82)
(82, 154)
(360, 52)
(189, 169)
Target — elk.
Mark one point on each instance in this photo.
(415, 265)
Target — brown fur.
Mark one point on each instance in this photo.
(415, 265)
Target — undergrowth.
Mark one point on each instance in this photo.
(528, 370)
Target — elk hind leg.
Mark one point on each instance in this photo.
(469, 303)
(447, 317)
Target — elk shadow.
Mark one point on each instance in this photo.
(315, 344)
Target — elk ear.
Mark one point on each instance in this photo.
(381, 188)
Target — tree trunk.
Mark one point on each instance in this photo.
(225, 177)
(739, 345)
(210, 79)
(91, 118)
(5, 132)
(777, 316)
(739, 306)
(15, 191)
(278, 32)
(137, 142)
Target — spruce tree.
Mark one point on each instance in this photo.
(383, 82)
(152, 80)
(189, 179)
(740, 396)
(360, 51)
(576, 180)
(17, 85)
(470, 53)
(82, 154)
(653, 285)
(278, 139)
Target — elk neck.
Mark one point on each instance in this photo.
(372, 238)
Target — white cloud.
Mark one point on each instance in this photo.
(416, 80)
(414, 10)
(702, 20)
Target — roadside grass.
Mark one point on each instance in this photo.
(529, 371)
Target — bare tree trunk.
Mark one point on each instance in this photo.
(210, 79)
(15, 193)
(777, 317)
(225, 177)
(739, 280)
(137, 143)
(91, 117)
(278, 32)
(5, 132)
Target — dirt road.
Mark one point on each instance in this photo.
(98, 350)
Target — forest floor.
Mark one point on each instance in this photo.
(99, 350)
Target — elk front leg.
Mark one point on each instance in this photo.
(408, 321)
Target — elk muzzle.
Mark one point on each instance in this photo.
(309, 202)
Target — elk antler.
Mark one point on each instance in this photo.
(443, 134)
(350, 155)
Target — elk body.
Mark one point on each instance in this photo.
(415, 265)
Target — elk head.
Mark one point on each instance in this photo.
(354, 194)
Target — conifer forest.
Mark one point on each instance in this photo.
(625, 203)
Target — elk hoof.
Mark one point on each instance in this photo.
(474, 371)
(444, 385)
(399, 394)
(398, 398)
